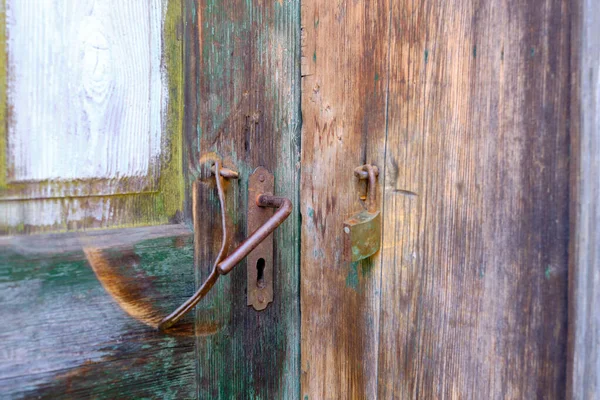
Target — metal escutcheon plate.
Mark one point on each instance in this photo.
(260, 260)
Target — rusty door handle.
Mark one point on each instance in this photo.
(223, 263)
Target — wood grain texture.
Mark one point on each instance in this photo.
(583, 373)
(97, 62)
(242, 105)
(468, 296)
(94, 101)
(344, 69)
(68, 333)
(475, 265)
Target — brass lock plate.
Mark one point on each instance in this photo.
(260, 260)
(362, 235)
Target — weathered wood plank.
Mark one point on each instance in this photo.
(100, 82)
(85, 327)
(474, 274)
(583, 373)
(242, 104)
(345, 74)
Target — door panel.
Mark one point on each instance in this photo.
(93, 106)
(465, 108)
(242, 105)
(344, 81)
(92, 103)
(80, 327)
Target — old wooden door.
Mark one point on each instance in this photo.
(111, 110)
(474, 112)
(471, 111)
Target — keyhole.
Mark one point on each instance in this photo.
(260, 273)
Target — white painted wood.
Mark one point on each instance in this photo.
(86, 90)
(87, 94)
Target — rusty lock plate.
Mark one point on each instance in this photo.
(362, 231)
(260, 260)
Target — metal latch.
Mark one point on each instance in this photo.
(261, 222)
(362, 231)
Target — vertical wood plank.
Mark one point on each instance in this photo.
(471, 299)
(474, 274)
(242, 105)
(583, 373)
(345, 74)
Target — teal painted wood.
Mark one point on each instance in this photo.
(242, 74)
(77, 327)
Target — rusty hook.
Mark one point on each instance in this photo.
(369, 172)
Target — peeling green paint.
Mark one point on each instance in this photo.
(243, 46)
(426, 55)
(352, 277)
(98, 341)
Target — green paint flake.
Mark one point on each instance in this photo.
(367, 267)
(315, 56)
(318, 254)
(376, 77)
(502, 55)
(548, 271)
(474, 51)
(316, 23)
(352, 277)
(311, 212)
(532, 52)
(426, 55)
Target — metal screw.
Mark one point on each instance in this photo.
(261, 178)
(261, 299)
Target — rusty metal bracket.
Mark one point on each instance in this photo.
(224, 263)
